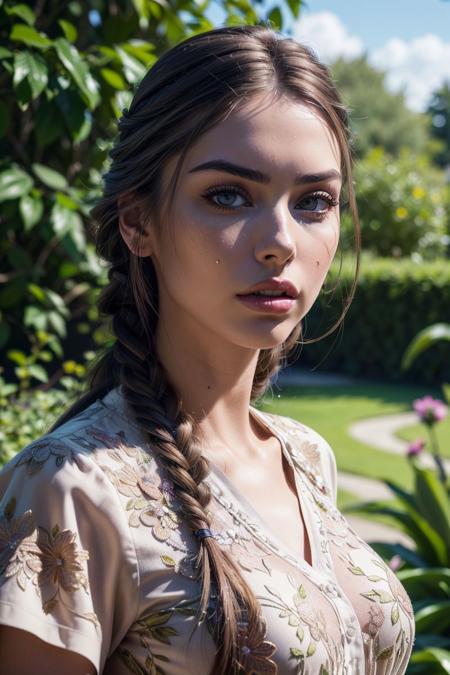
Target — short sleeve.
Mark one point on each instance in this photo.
(68, 569)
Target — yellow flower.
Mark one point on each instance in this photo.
(70, 367)
(418, 192)
(401, 212)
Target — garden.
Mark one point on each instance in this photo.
(67, 71)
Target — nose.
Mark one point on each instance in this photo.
(275, 242)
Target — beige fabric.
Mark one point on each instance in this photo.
(95, 557)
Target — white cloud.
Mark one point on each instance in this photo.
(327, 36)
(417, 67)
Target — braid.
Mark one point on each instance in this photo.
(159, 413)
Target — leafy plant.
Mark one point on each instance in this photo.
(402, 202)
(424, 515)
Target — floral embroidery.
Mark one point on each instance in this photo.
(18, 548)
(35, 456)
(310, 625)
(395, 596)
(50, 560)
(148, 628)
(254, 651)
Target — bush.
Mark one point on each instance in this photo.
(394, 300)
(402, 203)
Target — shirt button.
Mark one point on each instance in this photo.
(350, 632)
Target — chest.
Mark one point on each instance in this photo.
(269, 487)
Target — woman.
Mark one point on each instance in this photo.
(165, 525)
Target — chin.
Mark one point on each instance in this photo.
(270, 338)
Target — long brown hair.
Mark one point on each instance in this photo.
(190, 89)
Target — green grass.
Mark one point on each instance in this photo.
(331, 409)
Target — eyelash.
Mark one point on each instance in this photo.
(316, 215)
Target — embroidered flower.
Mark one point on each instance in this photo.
(61, 559)
(18, 548)
(39, 452)
(376, 620)
(254, 651)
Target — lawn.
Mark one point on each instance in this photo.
(331, 409)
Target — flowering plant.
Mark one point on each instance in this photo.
(430, 411)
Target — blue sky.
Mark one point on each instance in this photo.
(409, 40)
(377, 21)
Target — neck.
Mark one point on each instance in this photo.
(214, 381)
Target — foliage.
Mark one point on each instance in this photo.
(26, 413)
(394, 300)
(424, 515)
(402, 203)
(66, 72)
(377, 116)
(439, 111)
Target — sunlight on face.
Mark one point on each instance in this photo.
(264, 206)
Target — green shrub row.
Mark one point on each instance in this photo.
(394, 300)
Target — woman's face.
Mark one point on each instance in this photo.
(273, 214)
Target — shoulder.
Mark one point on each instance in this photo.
(310, 451)
(94, 453)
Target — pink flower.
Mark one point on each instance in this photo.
(395, 562)
(430, 410)
(415, 448)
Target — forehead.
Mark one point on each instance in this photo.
(277, 132)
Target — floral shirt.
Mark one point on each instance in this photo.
(95, 557)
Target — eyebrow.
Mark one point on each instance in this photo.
(258, 176)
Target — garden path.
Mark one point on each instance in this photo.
(375, 431)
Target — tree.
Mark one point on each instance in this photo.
(439, 112)
(378, 117)
(67, 69)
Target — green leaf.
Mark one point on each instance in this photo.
(34, 69)
(29, 36)
(434, 618)
(37, 292)
(134, 70)
(49, 124)
(69, 30)
(424, 340)
(4, 119)
(294, 6)
(17, 356)
(423, 582)
(31, 209)
(58, 323)
(38, 372)
(113, 78)
(14, 183)
(433, 501)
(69, 226)
(5, 53)
(434, 656)
(79, 71)
(53, 179)
(76, 116)
(23, 12)
(276, 19)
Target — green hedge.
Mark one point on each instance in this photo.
(394, 300)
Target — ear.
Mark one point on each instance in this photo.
(131, 225)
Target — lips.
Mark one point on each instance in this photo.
(273, 284)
